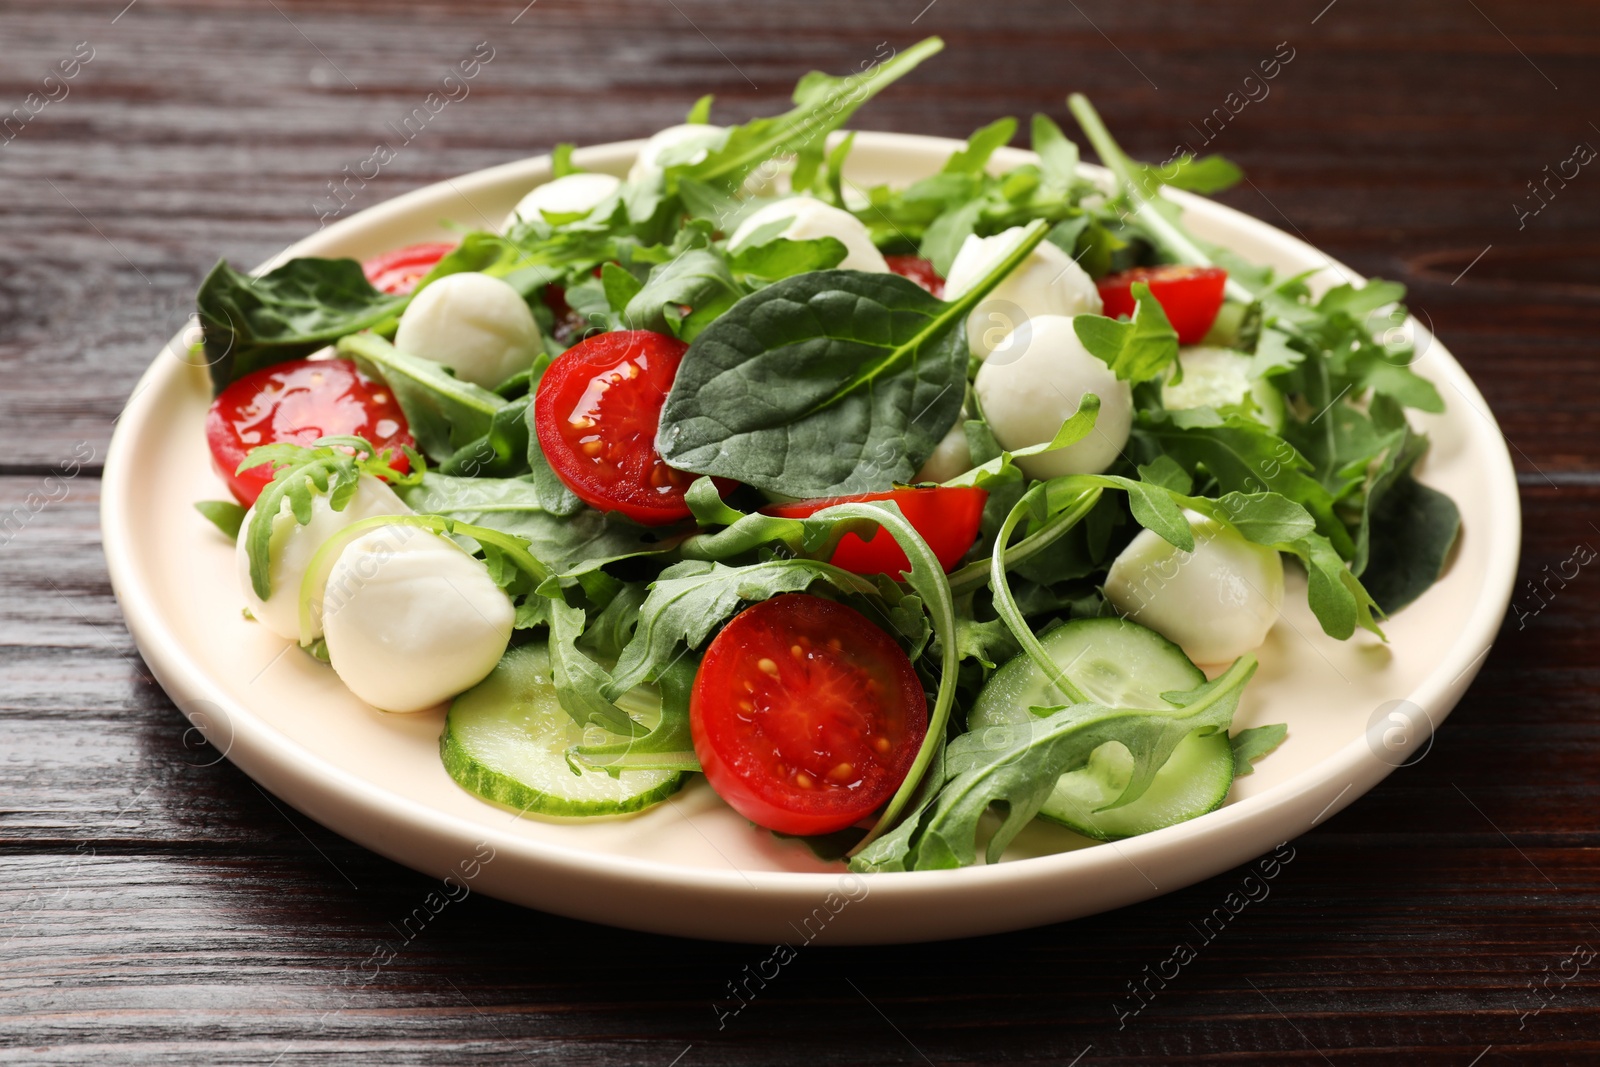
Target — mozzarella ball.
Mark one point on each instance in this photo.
(1048, 282)
(293, 545)
(476, 325)
(1034, 383)
(647, 163)
(810, 219)
(575, 194)
(950, 457)
(1220, 378)
(1216, 603)
(411, 619)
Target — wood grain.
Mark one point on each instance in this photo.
(156, 907)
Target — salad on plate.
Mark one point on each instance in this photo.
(882, 508)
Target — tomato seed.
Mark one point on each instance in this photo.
(767, 666)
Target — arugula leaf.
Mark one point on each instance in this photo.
(248, 323)
(823, 103)
(824, 384)
(973, 157)
(1018, 768)
(1250, 745)
(698, 278)
(502, 452)
(329, 465)
(567, 544)
(445, 413)
(1137, 351)
(1205, 174)
(700, 113)
(692, 598)
(1058, 157)
(669, 745)
(225, 515)
(579, 680)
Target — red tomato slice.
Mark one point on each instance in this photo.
(805, 716)
(1191, 296)
(947, 518)
(299, 402)
(398, 272)
(918, 270)
(597, 410)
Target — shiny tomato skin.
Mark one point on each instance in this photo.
(1191, 296)
(398, 272)
(947, 518)
(596, 413)
(805, 716)
(918, 270)
(298, 402)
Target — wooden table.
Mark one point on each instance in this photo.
(157, 907)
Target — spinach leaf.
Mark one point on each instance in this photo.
(445, 413)
(783, 258)
(1407, 530)
(288, 313)
(1018, 768)
(824, 384)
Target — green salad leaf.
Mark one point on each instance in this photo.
(1018, 768)
(248, 323)
(824, 384)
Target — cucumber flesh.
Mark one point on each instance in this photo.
(1122, 665)
(506, 740)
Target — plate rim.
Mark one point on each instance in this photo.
(342, 800)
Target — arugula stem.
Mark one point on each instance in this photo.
(977, 573)
(1006, 604)
(1172, 239)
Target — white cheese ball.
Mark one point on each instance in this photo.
(1037, 386)
(647, 164)
(1218, 378)
(293, 545)
(950, 457)
(411, 619)
(575, 194)
(1216, 603)
(1048, 282)
(476, 325)
(810, 219)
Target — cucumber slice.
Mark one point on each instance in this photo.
(1122, 665)
(1220, 378)
(506, 740)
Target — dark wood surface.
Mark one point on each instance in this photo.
(156, 907)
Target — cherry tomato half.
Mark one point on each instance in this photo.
(597, 410)
(398, 272)
(947, 518)
(918, 270)
(1191, 296)
(298, 402)
(805, 716)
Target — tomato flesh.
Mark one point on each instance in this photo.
(805, 716)
(947, 518)
(918, 270)
(1191, 296)
(398, 272)
(596, 412)
(297, 403)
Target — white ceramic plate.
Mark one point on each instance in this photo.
(691, 866)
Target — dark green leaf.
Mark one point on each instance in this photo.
(248, 323)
